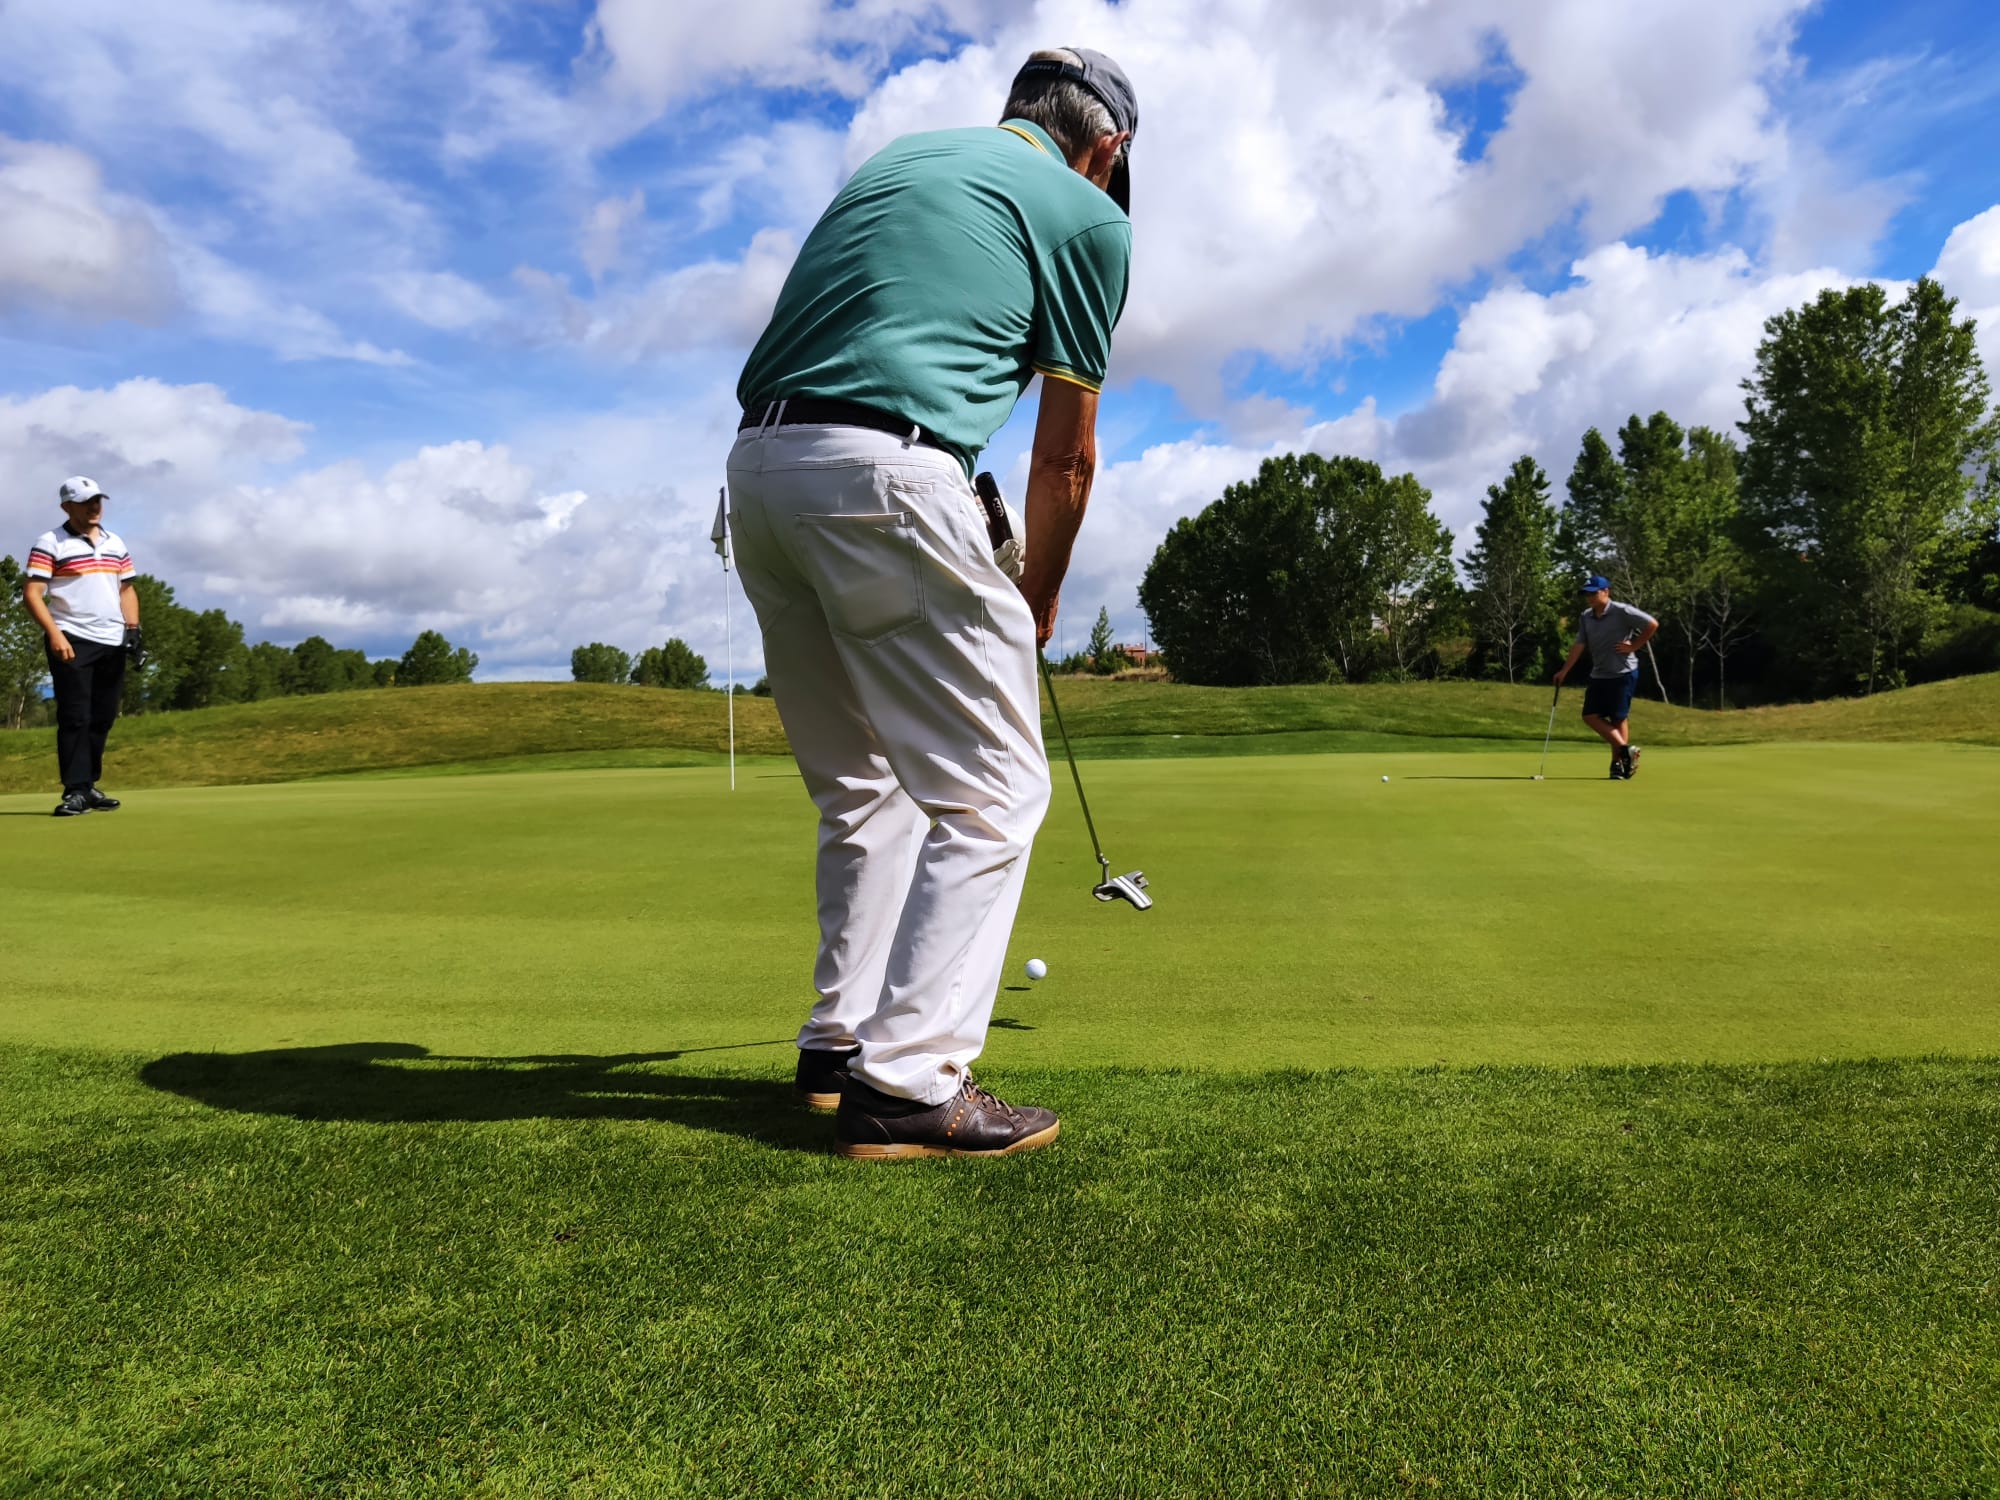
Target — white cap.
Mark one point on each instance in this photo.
(76, 489)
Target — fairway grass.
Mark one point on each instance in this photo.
(1462, 1134)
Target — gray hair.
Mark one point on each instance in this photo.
(1075, 118)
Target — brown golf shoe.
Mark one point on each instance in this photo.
(873, 1126)
(821, 1073)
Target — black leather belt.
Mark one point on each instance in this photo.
(820, 411)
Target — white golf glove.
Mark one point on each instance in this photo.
(1012, 554)
(1004, 528)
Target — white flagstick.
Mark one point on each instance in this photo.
(719, 534)
(729, 667)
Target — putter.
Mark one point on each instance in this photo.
(1550, 731)
(1129, 887)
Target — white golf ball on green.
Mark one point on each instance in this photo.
(1385, 778)
(1036, 968)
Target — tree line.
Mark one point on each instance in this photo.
(674, 665)
(1846, 544)
(198, 658)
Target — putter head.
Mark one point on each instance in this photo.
(1130, 887)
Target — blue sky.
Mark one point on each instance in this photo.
(308, 287)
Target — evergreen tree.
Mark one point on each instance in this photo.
(1105, 657)
(1512, 566)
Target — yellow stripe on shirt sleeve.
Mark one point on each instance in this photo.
(1056, 372)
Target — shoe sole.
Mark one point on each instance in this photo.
(909, 1150)
(1632, 764)
(817, 1101)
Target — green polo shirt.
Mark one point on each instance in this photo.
(952, 268)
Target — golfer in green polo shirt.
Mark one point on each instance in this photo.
(953, 268)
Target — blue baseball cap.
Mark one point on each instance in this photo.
(1593, 583)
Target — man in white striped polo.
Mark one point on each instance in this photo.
(80, 592)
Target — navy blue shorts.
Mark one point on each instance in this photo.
(1611, 697)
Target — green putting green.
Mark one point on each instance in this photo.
(1749, 903)
(432, 1137)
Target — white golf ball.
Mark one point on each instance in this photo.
(1385, 778)
(1036, 968)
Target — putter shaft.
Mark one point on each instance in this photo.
(1103, 864)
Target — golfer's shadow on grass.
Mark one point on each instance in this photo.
(400, 1083)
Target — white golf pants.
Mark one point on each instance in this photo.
(903, 664)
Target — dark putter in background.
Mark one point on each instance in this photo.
(1009, 551)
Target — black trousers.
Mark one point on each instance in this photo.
(87, 688)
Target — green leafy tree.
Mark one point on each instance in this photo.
(1867, 475)
(762, 688)
(1512, 567)
(1270, 583)
(674, 665)
(383, 673)
(216, 663)
(598, 662)
(322, 667)
(23, 649)
(170, 629)
(432, 660)
(272, 672)
(1413, 587)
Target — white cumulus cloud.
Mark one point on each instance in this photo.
(69, 245)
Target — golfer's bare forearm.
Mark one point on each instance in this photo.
(128, 605)
(1059, 480)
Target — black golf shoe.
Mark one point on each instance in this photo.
(98, 801)
(73, 805)
(1617, 769)
(873, 1126)
(822, 1073)
(1631, 761)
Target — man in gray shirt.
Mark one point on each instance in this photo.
(1615, 633)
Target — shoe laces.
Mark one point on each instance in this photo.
(984, 1099)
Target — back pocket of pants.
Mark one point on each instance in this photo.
(867, 569)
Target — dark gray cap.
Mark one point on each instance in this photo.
(1107, 82)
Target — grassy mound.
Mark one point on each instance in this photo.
(498, 725)
(555, 726)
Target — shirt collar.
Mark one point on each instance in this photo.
(1035, 136)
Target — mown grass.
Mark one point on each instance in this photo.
(574, 726)
(321, 1274)
(1459, 1135)
(1753, 903)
